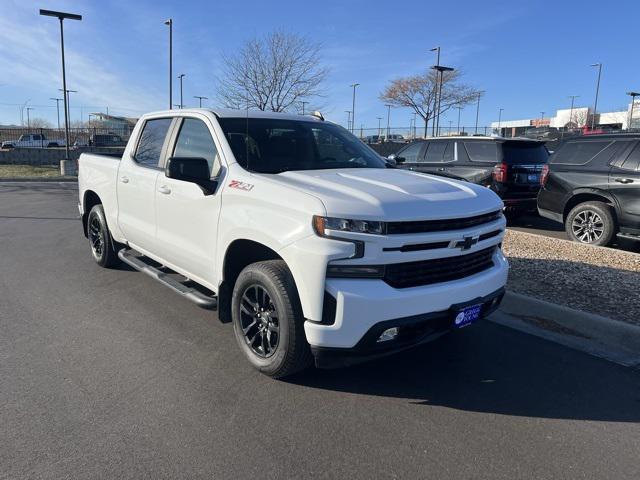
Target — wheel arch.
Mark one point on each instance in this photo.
(89, 200)
(589, 196)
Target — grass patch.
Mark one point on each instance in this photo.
(29, 171)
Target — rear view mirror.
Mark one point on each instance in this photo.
(193, 170)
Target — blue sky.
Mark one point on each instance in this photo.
(527, 56)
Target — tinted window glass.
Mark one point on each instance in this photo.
(151, 141)
(273, 146)
(194, 140)
(482, 151)
(633, 160)
(411, 153)
(448, 153)
(524, 153)
(435, 152)
(578, 153)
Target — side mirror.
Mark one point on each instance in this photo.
(193, 170)
(400, 159)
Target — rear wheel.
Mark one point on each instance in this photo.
(268, 321)
(591, 223)
(100, 239)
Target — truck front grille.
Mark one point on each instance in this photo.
(441, 225)
(427, 272)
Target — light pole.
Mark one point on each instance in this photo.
(348, 112)
(67, 117)
(61, 16)
(478, 110)
(415, 116)
(595, 104)
(57, 108)
(573, 99)
(379, 130)
(28, 119)
(459, 112)
(353, 106)
(500, 119)
(200, 99)
(440, 69)
(170, 24)
(303, 104)
(541, 118)
(435, 99)
(388, 119)
(450, 123)
(181, 76)
(633, 96)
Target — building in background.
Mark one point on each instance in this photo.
(119, 125)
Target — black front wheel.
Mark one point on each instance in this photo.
(100, 239)
(591, 223)
(268, 320)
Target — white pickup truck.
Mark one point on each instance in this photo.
(297, 232)
(34, 140)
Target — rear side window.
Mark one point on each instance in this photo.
(412, 152)
(151, 141)
(632, 162)
(524, 153)
(579, 153)
(437, 152)
(482, 151)
(194, 140)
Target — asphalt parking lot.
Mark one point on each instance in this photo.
(108, 374)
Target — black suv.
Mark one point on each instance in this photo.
(593, 187)
(510, 167)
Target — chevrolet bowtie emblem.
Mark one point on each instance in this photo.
(466, 243)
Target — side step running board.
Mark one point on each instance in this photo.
(137, 261)
(629, 236)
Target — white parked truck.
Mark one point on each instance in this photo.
(297, 232)
(34, 140)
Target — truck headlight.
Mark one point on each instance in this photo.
(320, 224)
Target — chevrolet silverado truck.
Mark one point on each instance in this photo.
(307, 241)
(35, 140)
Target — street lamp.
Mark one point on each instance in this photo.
(541, 117)
(478, 109)
(573, 98)
(435, 100)
(58, 100)
(303, 104)
(595, 104)
(500, 118)
(633, 96)
(170, 24)
(353, 107)
(200, 99)
(440, 69)
(379, 129)
(67, 118)
(62, 16)
(181, 76)
(459, 112)
(348, 112)
(28, 119)
(388, 119)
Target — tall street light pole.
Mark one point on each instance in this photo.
(478, 109)
(541, 117)
(181, 76)
(573, 99)
(67, 118)
(353, 106)
(28, 119)
(436, 108)
(459, 112)
(348, 112)
(388, 120)
(379, 129)
(170, 24)
(200, 99)
(440, 69)
(57, 108)
(595, 104)
(62, 16)
(500, 119)
(633, 96)
(303, 104)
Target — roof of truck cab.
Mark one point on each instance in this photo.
(232, 113)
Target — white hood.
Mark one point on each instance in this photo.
(391, 194)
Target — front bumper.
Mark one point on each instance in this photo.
(413, 331)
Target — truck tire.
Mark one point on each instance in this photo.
(591, 223)
(100, 239)
(267, 319)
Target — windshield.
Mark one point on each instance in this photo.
(532, 153)
(273, 146)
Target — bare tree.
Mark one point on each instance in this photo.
(39, 123)
(276, 72)
(418, 92)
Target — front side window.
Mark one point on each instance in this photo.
(151, 141)
(482, 151)
(411, 154)
(268, 145)
(194, 140)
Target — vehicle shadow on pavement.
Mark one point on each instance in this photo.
(492, 369)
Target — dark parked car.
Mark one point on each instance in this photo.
(593, 187)
(510, 167)
(106, 140)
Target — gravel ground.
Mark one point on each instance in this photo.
(593, 279)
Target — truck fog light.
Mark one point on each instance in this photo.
(388, 334)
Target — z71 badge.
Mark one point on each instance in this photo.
(241, 185)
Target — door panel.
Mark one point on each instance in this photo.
(624, 184)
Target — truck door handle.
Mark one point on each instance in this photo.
(624, 180)
(441, 169)
(124, 179)
(164, 189)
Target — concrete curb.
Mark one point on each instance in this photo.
(600, 336)
(38, 179)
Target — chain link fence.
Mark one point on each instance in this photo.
(87, 137)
